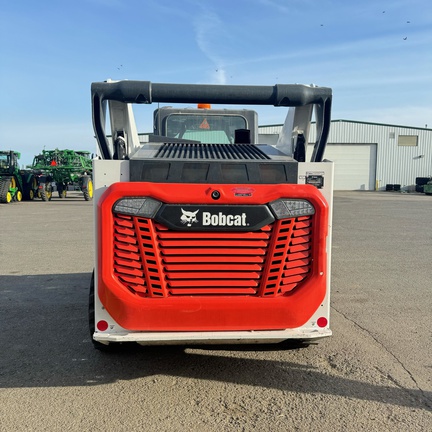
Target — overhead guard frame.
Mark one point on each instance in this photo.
(146, 92)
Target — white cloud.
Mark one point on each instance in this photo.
(208, 34)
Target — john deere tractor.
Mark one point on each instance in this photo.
(16, 184)
(67, 168)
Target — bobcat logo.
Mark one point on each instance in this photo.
(188, 217)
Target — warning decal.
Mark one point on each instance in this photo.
(204, 124)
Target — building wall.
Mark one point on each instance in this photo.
(395, 164)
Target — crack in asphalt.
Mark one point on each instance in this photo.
(428, 402)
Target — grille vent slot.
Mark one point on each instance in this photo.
(195, 151)
(153, 261)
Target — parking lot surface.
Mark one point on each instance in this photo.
(374, 373)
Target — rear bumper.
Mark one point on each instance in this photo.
(226, 337)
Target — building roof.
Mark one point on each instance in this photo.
(362, 122)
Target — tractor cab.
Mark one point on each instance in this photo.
(8, 161)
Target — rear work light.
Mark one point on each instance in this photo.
(289, 208)
(144, 207)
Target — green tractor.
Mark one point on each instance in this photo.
(67, 168)
(16, 184)
(427, 188)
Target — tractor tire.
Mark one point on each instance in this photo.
(87, 187)
(45, 191)
(61, 189)
(18, 196)
(29, 189)
(14, 185)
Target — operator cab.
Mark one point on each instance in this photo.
(8, 161)
(205, 125)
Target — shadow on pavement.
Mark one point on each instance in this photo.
(45, 343)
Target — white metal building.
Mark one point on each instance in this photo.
(369, 156)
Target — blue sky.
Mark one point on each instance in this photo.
(376, 55)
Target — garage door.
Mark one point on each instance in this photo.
(355, 165)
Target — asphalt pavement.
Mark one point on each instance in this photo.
(374, 373)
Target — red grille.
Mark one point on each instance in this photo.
(153, 261)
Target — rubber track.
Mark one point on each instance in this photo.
(4, 188)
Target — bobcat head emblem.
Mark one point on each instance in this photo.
(188, 217)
